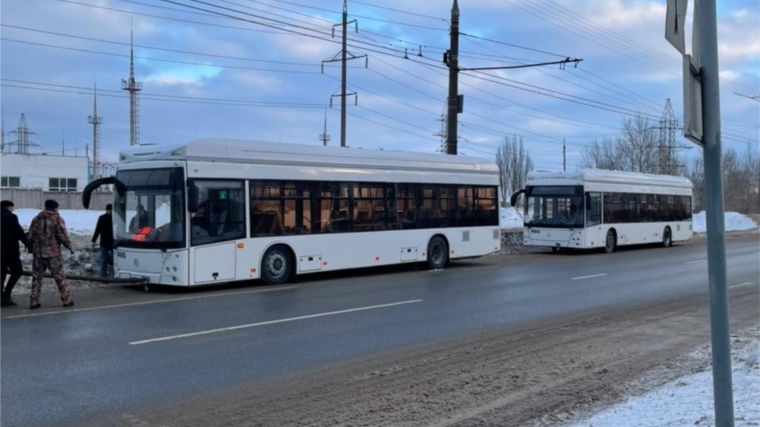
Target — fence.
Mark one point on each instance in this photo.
(26, 198)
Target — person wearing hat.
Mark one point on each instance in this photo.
(10, 257)
(47, 234)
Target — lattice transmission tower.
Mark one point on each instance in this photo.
(95, 121)
(133, 87)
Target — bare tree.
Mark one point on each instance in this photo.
(741, 181)
(752, 166)
(639, 148)
(514, 164)
(601, 155)
(695, 172)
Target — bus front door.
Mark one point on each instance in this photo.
(594, 237)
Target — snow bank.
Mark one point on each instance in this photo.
(84, 221)
(689, 400)
(77, 221)
(734, 222)
(511, 218)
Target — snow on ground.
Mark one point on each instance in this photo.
(77, 221)
(689, 400)
(511, 218)
(734, 222)
(84, 221)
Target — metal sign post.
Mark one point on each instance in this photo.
(702, 125)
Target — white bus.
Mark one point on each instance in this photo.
(605, 209)
(217, 210)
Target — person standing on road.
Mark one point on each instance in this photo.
(104, 230)
(46, 235)
(12, 234)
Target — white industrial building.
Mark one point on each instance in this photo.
(45, 172)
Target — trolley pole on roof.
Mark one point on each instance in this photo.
(702, 126)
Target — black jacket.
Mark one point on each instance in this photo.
(104, 229)
(12, 233)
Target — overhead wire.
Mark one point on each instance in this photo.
(146, 58)
(157, 96)
(163, 49)
(598, 40)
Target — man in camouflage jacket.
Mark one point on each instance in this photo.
(46, 235)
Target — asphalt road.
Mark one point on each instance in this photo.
(66, 367)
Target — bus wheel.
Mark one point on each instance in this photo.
(276, 266)
(611, 242)
(667, 238)
(437, 253)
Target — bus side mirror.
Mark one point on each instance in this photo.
(588, 202)
(192, 197)
(92, 186)
(515, 195)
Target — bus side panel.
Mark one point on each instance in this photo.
(358, 250)
(648, 232)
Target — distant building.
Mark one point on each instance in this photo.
(44, 171)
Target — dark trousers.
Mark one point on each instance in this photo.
(12, 265)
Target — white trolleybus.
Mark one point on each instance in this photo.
(604, 209)
(214, 210)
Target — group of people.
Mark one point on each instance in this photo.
(47, 234)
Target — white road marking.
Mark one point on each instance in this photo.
(696, 261)
(272, 322)
(103, 307)
(589, 277)
(741, 285)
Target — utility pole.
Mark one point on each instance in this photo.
(564, 155)
(455, 102)
(451, 58)
(345, 56)
(133, 87)
(95, 121)
(324, 137)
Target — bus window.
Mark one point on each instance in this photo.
(221, 212)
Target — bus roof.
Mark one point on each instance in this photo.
(244, 151)
(607, 177)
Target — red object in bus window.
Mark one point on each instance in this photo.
(141, 233)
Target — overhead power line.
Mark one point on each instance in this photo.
(163, 49)
(152, 96)
(146, 58)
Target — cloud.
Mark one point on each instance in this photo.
(258, 80)
(183, 76)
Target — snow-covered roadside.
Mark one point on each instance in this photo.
(734, 222)
(689, 400)
(511, 218)
(77, 221)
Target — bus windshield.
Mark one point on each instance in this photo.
(149, 209)
(554, 206)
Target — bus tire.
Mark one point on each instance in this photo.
(437, 253)
(667, 238)
(610, 243)
(276, 265)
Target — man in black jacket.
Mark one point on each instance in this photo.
(104, 229)
(10, 257)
